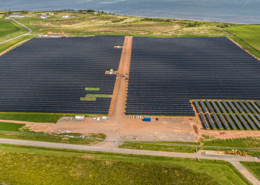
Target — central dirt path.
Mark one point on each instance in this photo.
(117, 106)
(234, 160)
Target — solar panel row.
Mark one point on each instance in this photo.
(228, 106)
(233, 121)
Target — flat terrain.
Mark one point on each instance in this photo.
(220, 171)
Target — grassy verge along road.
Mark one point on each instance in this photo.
(51, 165)
(249, 144)
(253, 167)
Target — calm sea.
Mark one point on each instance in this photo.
(234, 11)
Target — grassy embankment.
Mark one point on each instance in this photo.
(58, 166)
(253, 167)
(249, 144)
(248, 37)
(10, 29)
(19, 131)
(108, 24)
(6, 46)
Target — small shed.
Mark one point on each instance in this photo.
(79, 117)
(146, 119)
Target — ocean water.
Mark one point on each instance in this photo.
(233, 11)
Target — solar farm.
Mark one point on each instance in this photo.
(211, 78)
(60, 75)
(165, 74)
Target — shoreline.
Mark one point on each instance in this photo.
(202, 19)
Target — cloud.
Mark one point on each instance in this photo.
(113, 2)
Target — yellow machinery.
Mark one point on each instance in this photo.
(236, 152)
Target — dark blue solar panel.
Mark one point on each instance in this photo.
(244, 106)
(209, 106)
(221, 107)
(226, 106)
(255, 120)
(232, 106)
(223, 121)
(210, 121)
(243, 121)
(249, 121)
(255, 106)
(204, 121)
(250, 107)
(215, 106)
(230, 121)
(197, 106)
(257, 102)
(203, 106)
(238, 106)
(217, 121)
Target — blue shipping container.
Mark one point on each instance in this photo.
(146, 119)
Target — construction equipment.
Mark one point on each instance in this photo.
(236, 152)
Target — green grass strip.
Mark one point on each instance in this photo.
(10, 126)
(221, 171)
(92, 89)
(34, 117)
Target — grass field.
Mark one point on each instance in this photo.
(250, 145)
(253, 167)
(108, 24)
(249, 33)
(245, 46)
(71, 166)
(34, 117)
(9, 29)
(10, 126)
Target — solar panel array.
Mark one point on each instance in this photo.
(166, 73)
(50, 75)
(229, 114)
